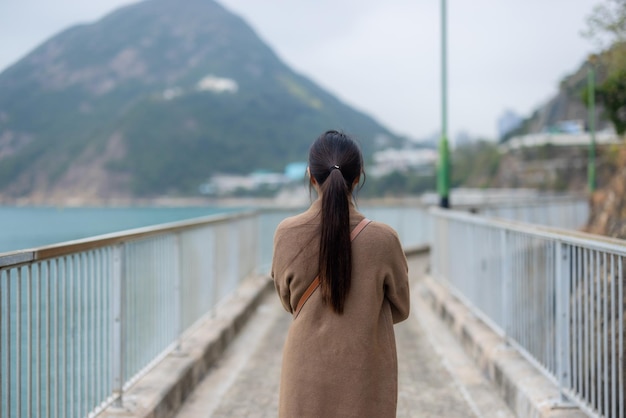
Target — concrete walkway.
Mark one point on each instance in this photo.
(436, 377)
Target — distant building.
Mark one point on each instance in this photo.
(393, 159)
(462, 138)
(263, 178)
(224, 184)
(228, 184)
(569, 126)
(430, 141)
(217, 84)
(508, 122)
(295, 171)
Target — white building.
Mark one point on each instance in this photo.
(391, 159)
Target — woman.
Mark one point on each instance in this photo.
(339, 358)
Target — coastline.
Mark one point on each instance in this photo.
(293, 199)
(123, 202)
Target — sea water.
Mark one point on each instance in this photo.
(29, 227)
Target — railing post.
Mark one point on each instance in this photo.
(118, 342)
(214, 250)
(435, 245)
(178, 294)
(506, 285)
(233, 257)
(563, 274)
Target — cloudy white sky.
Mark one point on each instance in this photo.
(383, 57)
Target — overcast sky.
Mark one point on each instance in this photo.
(383, 57)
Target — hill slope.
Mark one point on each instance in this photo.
(566, 105)
(153, 99)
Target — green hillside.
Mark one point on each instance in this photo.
(153, 99)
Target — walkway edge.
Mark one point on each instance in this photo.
(162, 391)
(524, 388)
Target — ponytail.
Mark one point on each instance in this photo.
(335, 248)
(335, 161)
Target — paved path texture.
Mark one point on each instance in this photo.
(436, 378)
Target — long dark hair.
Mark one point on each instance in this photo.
(335, 162)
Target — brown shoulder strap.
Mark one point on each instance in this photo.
(316, 282)
(305, 296)
(357, 229)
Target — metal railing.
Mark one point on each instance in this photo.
(570, 212)
(557, 296)
(412, 223)
(81, 321)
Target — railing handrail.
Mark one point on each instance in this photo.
(23, 256)
(19, 257)
(534, 201)
(568, 236)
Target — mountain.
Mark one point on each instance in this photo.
(564, 109)
(153, 99)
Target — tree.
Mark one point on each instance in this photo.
(612, 94)
(475, 164)
(608, 20)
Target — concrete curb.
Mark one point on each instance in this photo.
(524, 388)
(161, 392)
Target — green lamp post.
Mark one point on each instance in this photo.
(443, 169)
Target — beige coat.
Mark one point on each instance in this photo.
(340, 365)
